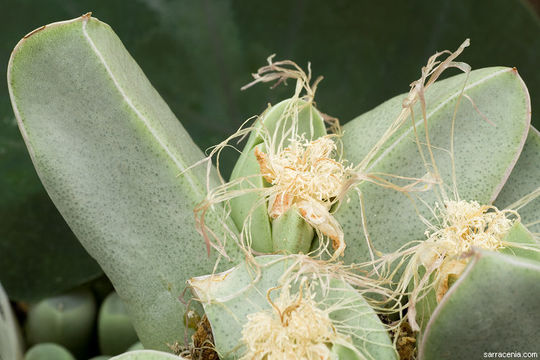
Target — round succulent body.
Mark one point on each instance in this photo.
(48, 351)
(115, 331)
(67, 320)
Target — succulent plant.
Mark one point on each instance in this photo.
(280, 123)
(115, 331)
(391, 214)
(66, 319)
(129, 209)
(146, 355)
(10, 337)
(48, 351)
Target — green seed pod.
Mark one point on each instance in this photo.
(66, 319)
(115, 331)
(48, 351)
(101, 357)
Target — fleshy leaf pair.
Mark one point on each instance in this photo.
(232, 297)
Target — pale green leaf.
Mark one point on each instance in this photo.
(493, 307)
(489, 135)
(109, 151)
(523, 182)
(228, 299)
(147, 355)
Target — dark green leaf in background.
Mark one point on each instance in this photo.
(198, 54)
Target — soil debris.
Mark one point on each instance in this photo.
(406, 342)
(203, 342)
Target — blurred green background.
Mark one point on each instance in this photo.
(199, 53)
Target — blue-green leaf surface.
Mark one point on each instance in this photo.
(109, 151)
(199, 53)
(493, 307)
(523, 181)
(489, 134)
(228, 299)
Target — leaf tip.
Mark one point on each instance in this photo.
(34, 31)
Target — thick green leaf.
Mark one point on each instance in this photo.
(291, 233)
(32, 230)
(10, 337)
(48, 351)
(524, 179)
(250, 204)
(31, 265)
(518, 234)
(66, 320)
(198, 54)
(493, 307)
(147, 355)
(109, 152)
(228, 299)
(521, 235)
(484, 154)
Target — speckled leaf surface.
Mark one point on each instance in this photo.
(146, 355)
(229, 297)
(32, 230)
(518, 234)
(521, 235)
(485, 152)
(493, 307)
(194, 51)
(10, 337)
(109, 151)
(524, 179)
